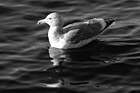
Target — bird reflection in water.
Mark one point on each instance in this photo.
(77, 66)
(58, 56)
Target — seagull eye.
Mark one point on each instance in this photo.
(50, 18)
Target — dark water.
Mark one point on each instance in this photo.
(110, 64)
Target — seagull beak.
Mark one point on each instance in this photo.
(41, 21)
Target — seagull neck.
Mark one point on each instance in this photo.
(56, 27)
(55, 31)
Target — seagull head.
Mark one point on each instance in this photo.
(53, 19)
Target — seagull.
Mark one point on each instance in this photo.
(74, 35)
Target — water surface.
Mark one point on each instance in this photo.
(110, 64)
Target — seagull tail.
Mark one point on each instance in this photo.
(109, 22)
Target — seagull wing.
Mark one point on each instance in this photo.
(77, 32)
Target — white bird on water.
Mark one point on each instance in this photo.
(73, 35)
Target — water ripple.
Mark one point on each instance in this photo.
(109, 64)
